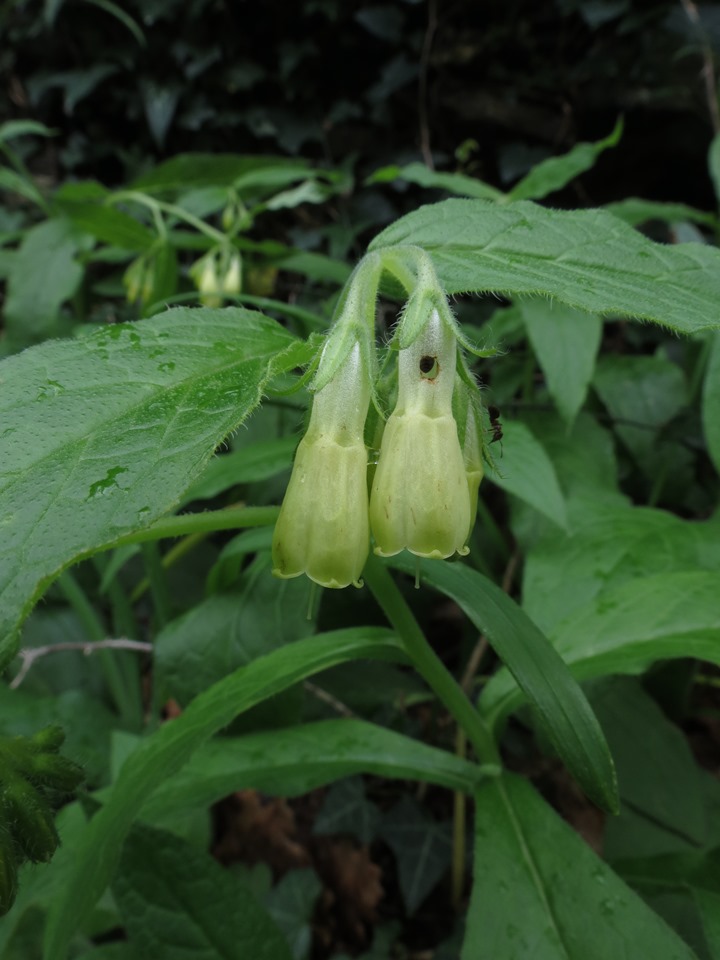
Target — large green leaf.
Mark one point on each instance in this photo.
(625, 629)
(526, 471)
(541, 892)
(560, 704)
(95, 856)
(102, 436)
(609, 546)
(299, 759)
(173, 897)
(642, 394)
(565, 342)
(585, 258)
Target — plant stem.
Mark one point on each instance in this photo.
(154, 205)
(95, 630)
(459, 827)
(426, 661)
(235, 518)
(170, 557)
(158, 584)
(124, 625)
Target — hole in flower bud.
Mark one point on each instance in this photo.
(429, 367)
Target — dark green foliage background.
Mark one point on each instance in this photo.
(338, 81)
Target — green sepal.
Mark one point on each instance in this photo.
(31, 818)
(57, 773)
(49, 739)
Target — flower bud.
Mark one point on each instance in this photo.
(205, 274)
(232, 280)
(322, 530)
(421, 497)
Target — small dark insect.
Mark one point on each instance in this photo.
(495, 425)
(427, 363)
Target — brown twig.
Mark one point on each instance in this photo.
(337, 705)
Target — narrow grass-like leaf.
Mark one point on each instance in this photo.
(457, 183)
(586, 258)
(299, 759)
(556, 172)
(102, 436)
(560, 704)
(95, 856)
(541, 892)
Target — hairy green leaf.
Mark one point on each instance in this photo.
(102, 436)
(585, 258)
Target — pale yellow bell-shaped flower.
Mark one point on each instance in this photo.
(421, 495)
(323, 530)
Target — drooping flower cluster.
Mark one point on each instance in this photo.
(423, 495)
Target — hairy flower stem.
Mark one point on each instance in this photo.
(426, 661)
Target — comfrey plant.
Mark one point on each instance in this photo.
(423, 496)
(103, 436)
